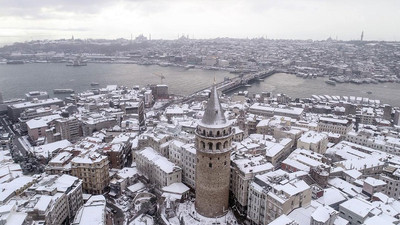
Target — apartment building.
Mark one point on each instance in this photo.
(69, 128)
(158, 169)
(391, 176)
(92, 168)
(274, 194)
(332, 125)
(314, 141)
(243, 171)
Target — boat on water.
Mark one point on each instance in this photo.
(77, 62)
(189, 67)
(369, 92)
(94, 84)
(330, 82)
(15, 62)
(63, 91)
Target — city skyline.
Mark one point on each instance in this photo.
(311, 19)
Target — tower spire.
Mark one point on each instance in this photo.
(214, 114)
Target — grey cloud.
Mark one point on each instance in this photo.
(32, 8)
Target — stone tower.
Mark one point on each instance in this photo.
(214, 144)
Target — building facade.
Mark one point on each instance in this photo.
(92, 168)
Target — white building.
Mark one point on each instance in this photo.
(355, 210)
(274, 194)
(387, 144)
(93, 212)
(184, 155)
(332, 125)
(314, 141)
(270, 111)
(243, 170)
(158, 169)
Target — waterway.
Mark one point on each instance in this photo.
(16, 80)
(297, 87)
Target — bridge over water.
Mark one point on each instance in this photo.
(228, 85)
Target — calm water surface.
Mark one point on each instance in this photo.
(15, 80)
(297, 87)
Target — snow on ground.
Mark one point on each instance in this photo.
(190, 216)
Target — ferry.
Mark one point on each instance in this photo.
(94, 84)
(15, 62)
(77, 62)
(189, 67)
(63, 91)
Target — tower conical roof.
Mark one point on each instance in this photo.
(214, 114)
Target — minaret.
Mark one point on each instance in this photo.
(214, 144)
(362, 35)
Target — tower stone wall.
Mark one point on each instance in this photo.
(214, 144)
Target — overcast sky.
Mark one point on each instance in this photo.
(22, 20)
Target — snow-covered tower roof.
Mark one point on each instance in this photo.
(214, 114)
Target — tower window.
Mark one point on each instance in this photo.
(210, 146)
(210, 165)
(203, 144)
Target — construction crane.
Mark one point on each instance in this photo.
(161, 76)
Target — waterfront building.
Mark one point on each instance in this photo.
(40, 95)
(15, 110)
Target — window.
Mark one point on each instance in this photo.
(210, 165)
